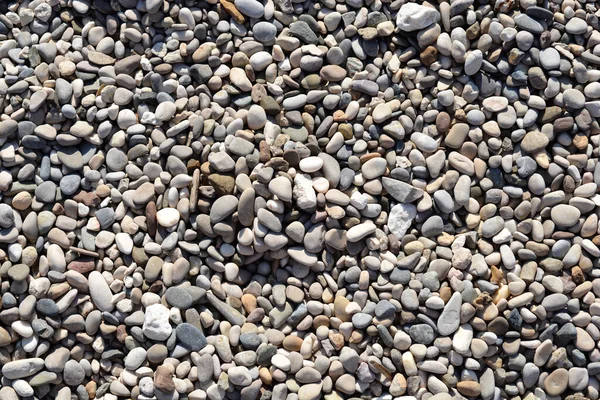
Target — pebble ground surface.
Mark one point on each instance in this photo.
(287, 199)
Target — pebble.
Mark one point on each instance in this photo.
(100, 292)
(191, 337)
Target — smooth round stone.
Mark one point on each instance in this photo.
(565, 215)
(74, 374)
(251, 8)
(123, 96)
(424, 142)
(167, 217)
(433, 226)
(47, 307)
(361, 320)
(374, 168)
(22, 388)
(473, 62)
(157, 353)
(18, 272)
(444, 201)
(116, 159)
(346, 384)
(264, 32)
(282, 188)
(8, 127)
(534, 141)
(71, 157)
(446, 97)
(457, 135)
(46, 192)
(165, 111)
(308, 375)
(592, 90)
(223, 207)
(469, 388)
(22, 368)
(576, 26)
(178, 297)
(573, 98)
(250, 340)
(280, 361)
(70, 184)
(333, 73)
(554, 302)
(135, 358)
(584, 341)
(422, 333)
(239, 376)
(260, 61)
(550, 58)
(190, 336)
(335, 56)
(295, 102)
(298, 134)
(302, 256)
(476, 117)
(578, 378)
(256, 116)
(556, 383)
(381, 113)
(311, 164)
(495, 103)
(7, 216)
(82, 129)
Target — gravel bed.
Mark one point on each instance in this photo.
(299, 200)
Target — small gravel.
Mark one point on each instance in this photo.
(248, 199)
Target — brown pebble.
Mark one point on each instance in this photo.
(469, 388)
(90, 388)
(292, 343)
(445, 294)
(163, 378)
(577, 275)
(83, 265)
(87, 198)
(151, 218)
(429, 55)
(442, 122)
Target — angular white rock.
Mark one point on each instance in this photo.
(400, 218)
(412, 17)
(156, 323)
(305, 195)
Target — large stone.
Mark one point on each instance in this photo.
(156, 323)
(401, 191)
(449, 319)
(22, 368)
(100, 292)
(400, 219)
(413, 17)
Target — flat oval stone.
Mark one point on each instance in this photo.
(100, 292)
(190, 336)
